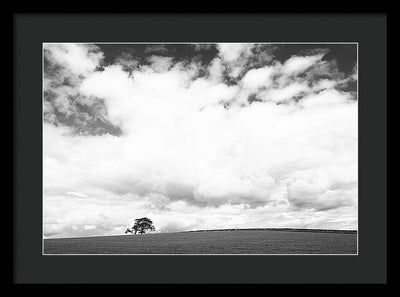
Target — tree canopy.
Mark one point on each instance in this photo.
(141, 225)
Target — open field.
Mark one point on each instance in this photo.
(254, 241)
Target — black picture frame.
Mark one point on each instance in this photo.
(31, 30)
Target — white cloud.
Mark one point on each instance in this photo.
(216, 70)
(298, 64)
(80, 59)
(286, 93)
(233, 51)
(326, 98)
(160, 64)
(256, 78)
(235, 56)
(189, 163)
(76, 194)
(89, 227)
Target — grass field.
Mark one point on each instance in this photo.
(211, 242)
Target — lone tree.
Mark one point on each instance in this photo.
(141, 225)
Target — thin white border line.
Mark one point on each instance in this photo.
(43, 150)
(201, 42)
(358, 154)
(200, 255)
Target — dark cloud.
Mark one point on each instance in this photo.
(65, 106)
(141, 52)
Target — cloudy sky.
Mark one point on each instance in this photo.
(199, 136)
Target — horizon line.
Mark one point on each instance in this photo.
(226, 229)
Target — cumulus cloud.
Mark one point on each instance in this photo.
(235, 56)
(194, 152)
(299, 64)
(80, 59)
(233, 51)
(256, 78)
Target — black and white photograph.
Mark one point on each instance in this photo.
(223, 148)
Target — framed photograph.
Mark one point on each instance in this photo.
(193, 143)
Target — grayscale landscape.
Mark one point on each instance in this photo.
(252, 241)
(200, 148)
